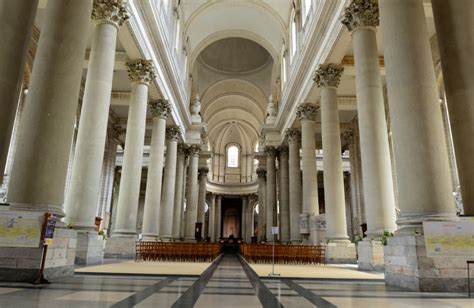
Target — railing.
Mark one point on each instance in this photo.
(284, 254)
(176, 252)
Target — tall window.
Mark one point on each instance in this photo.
(178, 34)
(233, 157)
(293, 37)
(306, 9)
(283, 68)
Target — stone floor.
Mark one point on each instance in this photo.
(228, 282)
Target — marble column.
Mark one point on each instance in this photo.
(271, 191)
(245, 205)
(218, 228)
(173, 134)
(121, 244)
(375, 152)
(327, 79)
(202, 171)
(454, 21)
(45, 132)
(179, 192)
(17, 18)
(262, 187)
(212, 219)
(192, 191)
(310, 206)
(90, 142)
(284, 195)
(294, 137)
(160, 110)
(420, 152)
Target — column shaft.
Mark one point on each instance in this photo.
(212, 219)
(39, 179)
(244, 231)
(454, 21)
(375, 152)
(422, 165)
(271, 190)
(284, 196)
(89, 154)
(261, 173)
(294, 184)
(192, 194)
(178, 194)
(218, 228)
(202, 195)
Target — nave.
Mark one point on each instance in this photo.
(228, 282)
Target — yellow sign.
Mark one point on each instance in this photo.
(449, 238)
(20, 229)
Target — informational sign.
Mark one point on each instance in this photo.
(449, 238)
(274, 230)
(21, 229)
(50, 224)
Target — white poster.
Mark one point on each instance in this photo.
(20, 229)
(449, 238)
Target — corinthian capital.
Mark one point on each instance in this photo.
(141, 70)
(203, 171)
(194, 150)
(160, 108)
(261, 172)
(173, 133)
(328, 75)
(361, 13)
(307, 111)
(293, 134)
(348, 136)
(270, 151)
(111, 11)
(283, 151)
(182, 148)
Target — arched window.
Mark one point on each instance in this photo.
(233, 157)
(283, 67)
(306, 10)
(178, 34)
(293, 37)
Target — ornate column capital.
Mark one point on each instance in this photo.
(117, 131)
(194, 150)
(348, 135)
(328, 75)
(203, 171)
(160, 108)
(283, 151)
(110, 11)
(182, 149)
(141, 70)
(173, 133)
(261, 172)
(293, 134)
(307, 112)
(361, 13)
(270, 151)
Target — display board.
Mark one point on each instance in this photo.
(21, 229)
(449, 238)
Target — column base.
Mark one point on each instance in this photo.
(90, 248)
(338, 252)
(120, 247)
(370, 255)
(317, 227)
(407, 266)
(23, 264)
(166, 238)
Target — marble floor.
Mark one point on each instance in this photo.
(227, 282)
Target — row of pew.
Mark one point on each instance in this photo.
(284, 254)
(176, 252)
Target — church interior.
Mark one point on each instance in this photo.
(237, 153)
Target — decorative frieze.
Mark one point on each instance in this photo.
(173, 133)
(328, 75)
(141, 70)
(160, 108)
(293, 134)
(307, 112)
(361, 13)
(112, 11)
(261, 172)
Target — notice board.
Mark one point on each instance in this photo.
(21, 229)
(449, 238)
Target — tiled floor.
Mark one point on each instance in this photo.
(228, 282)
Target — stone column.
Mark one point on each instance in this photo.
(262, 187)
(339, 249)
(92, 130)
(192, 191)
(122, 242)
(212, 219)
(244, 231)
(45, 130)
(455, 30)
(271, 190)
(173, 134)
(294, 136)
(420, 151)
(202, 171)
(218, 228)
(178, 193)
(361, 17)
(284, 195)
(17, 18)
(160, 110)
(306, 113)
